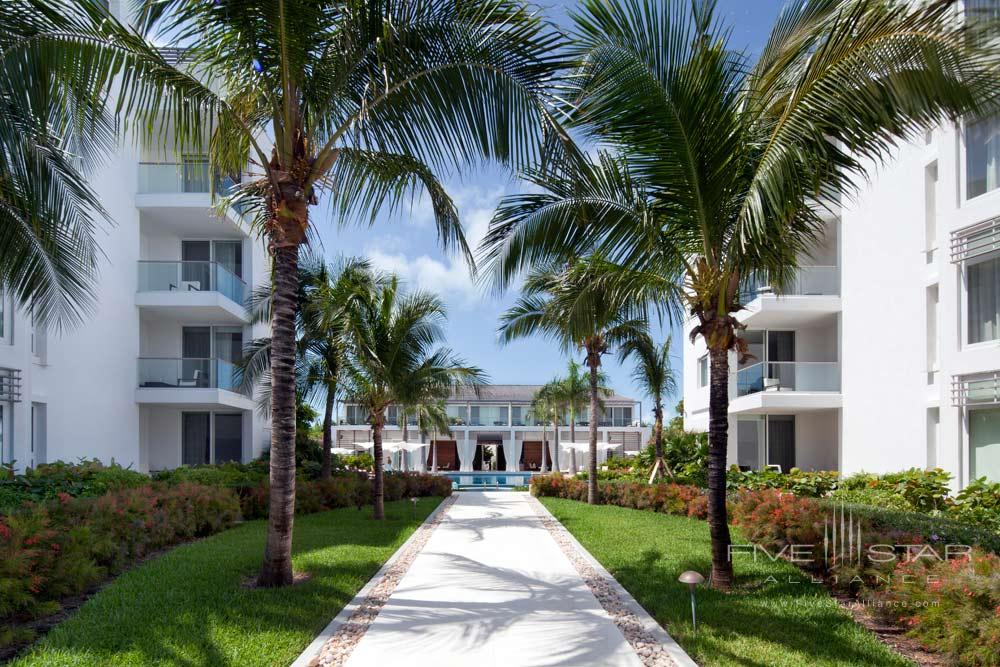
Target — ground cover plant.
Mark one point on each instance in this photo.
(760, 623)
(191, 606)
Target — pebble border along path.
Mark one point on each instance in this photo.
(337, 649)
(653, 645)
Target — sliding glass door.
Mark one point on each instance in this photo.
(211, 437)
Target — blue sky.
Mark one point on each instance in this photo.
(406, 243)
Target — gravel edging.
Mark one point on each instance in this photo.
(333, 646)
(651, 642)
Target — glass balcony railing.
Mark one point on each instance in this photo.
(156, 276)
(788, 376)
(807, 281)
(187, 373)
(483, 415)
(176, 177)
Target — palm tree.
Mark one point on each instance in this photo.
(543, 406)
(431, 417)
(364, 102)
(326, 293)
(654, 374)
(393, 360)
(721, 161)
(52, 137)
(574, 390)
(561, 303)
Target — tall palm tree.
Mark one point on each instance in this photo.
(574, 391)
(560, 303)
(52, 139)
(654, 374)
(362, 101)
(326, 294)
(394, 360)
(727, 157)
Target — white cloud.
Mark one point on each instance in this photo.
(448, 276)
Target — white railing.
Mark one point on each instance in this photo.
(187, 276)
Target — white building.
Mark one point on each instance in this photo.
(147, 380)
(495, 430)
(885, 354)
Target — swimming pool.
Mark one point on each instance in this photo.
(487, 480)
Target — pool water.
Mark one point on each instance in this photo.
(485, 481)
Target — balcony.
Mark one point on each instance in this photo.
(782, 386)
(483, 415)
(190, 381)
(813, 293)
(177, 194)
(205, 291)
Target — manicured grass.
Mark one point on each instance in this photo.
(763, 623)
(189, 607)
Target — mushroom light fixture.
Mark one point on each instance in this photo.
(692, 579)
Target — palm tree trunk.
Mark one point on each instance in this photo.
(328, 433)
(277, 567)
(572, 439)
(545, 449)
(404, 458)
(660, 464)
(718, 441)
(593, 361)
(434, 453)
(555, 445)
(379, 490)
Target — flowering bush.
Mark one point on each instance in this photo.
(678, 499)
(775, 519)
(951, 606)
(62, 547)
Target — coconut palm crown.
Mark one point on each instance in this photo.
(718, 163)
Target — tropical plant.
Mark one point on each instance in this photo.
(545, 409)
(363, 101)
(326, 294)
(574, 392)
(653, 374)
(718, 164)
(561, 303)
(431, 416)
(394, 360)
(52, 138)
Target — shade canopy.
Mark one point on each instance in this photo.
(585, 446)
(390, 446)
(343, 451)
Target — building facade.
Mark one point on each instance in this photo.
(148, 379)
(885, 352)
(494, 429)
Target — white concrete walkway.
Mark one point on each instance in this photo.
(492, 588)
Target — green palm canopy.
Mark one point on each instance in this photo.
(716, 165)
(359, 103)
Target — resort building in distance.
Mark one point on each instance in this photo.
(884, 354)
(494, 429)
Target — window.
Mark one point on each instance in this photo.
(3, 317)
(356, 415)
(195, 438)
(228, 438)
(931, 306)
(930, 211)
(984, 444)
(703, 371)
(982, 156)
(983, 286)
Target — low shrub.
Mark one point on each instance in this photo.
(232, 475)
(952, 607)
(344, 489)
(979, 503)
(667, 498)
(804, 483)
(56, 548)
(86, 479)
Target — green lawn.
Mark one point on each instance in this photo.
(763, 624)
(189, 608)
